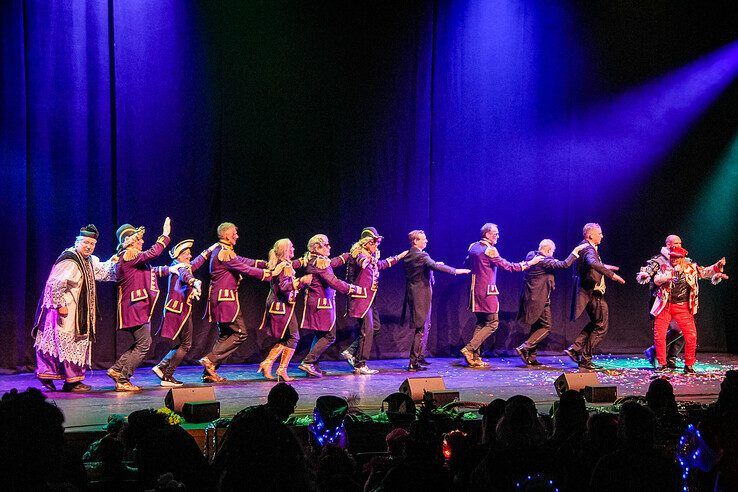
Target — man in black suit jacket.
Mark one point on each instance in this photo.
(535, 298)
(419, 268)
(589, 295)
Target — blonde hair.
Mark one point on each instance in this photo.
(413, 235)
(360, 246)
(222, 228)
(314, 242)
(278, 252)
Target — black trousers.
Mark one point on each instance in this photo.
(323, 340)
(594, 332)
(231, 335)
(420, 337)
(292, 335)
(538, 330)
(369, 327)
(181, 345)
(486, 325)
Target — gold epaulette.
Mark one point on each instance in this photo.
(226, 254)
(322, 263)
(491, 251)
(303, 262)
(130, 254)
(288, 270)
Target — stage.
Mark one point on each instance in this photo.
(505, 377)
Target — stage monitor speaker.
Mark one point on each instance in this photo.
(177, 397)
(600, 394)
(441, 398)
(575, 381)
(197, 412)
(414, 387)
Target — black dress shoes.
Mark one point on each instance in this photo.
(573, 355)
(48, 384)
(415, 367)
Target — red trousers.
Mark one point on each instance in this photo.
(685, 321)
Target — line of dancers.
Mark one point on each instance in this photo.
(64, 327)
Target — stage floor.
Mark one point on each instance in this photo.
(506, 377)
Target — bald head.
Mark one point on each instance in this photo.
(673, 241)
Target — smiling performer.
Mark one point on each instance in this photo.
(138, 292)
(64, 326)
(279, 316)
(319, 313)
(226, 271)
(363, 270)
(176, 322)
(483, 260)
(677, 298)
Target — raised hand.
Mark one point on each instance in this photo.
(63, 311)
(167, 227)
(306, 279)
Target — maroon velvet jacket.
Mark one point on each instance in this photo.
(280, 303)
(226, 271)
(178, 304)
(137, 284)
(319, 312)
(364, 272)
(483, 260)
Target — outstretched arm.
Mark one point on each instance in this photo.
(440, 267)
(590, 257)
(338, 284)
(241, 265)
(391, 261)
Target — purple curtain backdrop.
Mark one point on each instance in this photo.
(291, 119)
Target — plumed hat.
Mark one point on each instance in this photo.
(125, 232)
(371, 232)
(180, 247)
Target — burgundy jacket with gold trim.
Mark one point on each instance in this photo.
(280, 303)
(226, 271)
(178, 304)
(319, 312)
(363, 270)
(137, 284)
(483, 260)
